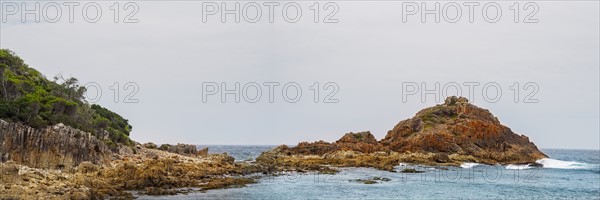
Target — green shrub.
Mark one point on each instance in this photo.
(26, 96)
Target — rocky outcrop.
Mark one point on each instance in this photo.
(461, 129)
(149, 171)
(54, 147)
(203, 152)
(181, 149)
(446, 134)
(365, 137)
(352, 150)
(60, 162)
(150, 145)
(363, 142)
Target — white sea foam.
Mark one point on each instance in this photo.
(559, 164)
(546, 162)
(518, 167)
(468, 165)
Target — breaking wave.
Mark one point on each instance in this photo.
(559, 164)
(468, 165)
(518, 167)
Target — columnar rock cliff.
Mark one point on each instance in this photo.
(54, 147)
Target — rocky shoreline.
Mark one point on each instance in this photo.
(448, 134)
(60, 162)
(149, 171)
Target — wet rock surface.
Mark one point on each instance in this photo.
(372, 180)
(411, 170)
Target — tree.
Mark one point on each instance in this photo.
(29, 98)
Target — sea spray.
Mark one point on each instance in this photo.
(518, 167)
(559, 164)
(468, 165)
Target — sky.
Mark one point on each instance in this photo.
(161, 71)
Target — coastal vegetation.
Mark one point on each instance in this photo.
(28, 97)
(56, 145)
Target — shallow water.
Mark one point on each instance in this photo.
(569, 174)
(239, 152)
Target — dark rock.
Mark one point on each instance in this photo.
(181, 149)
(411, 170)
(382, 179)
(150, 145)
(160, 191)
(441, 158)
(536, 164)
(370, 182)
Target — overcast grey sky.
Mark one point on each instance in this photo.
(369, 54)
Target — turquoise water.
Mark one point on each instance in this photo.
(569, 174)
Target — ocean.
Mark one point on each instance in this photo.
(567, 174)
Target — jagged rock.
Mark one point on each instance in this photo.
(159, 191)
(441, 158)
(87, 167)
(363, 142)
(203, 152)
(458, 127)
(181, 149)
(342, 154)
(314, 148)
(150, 145)
(164, 173)
(224, 158)
(125, 150)
(365, 137)
(54, 147)
(446, 134)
